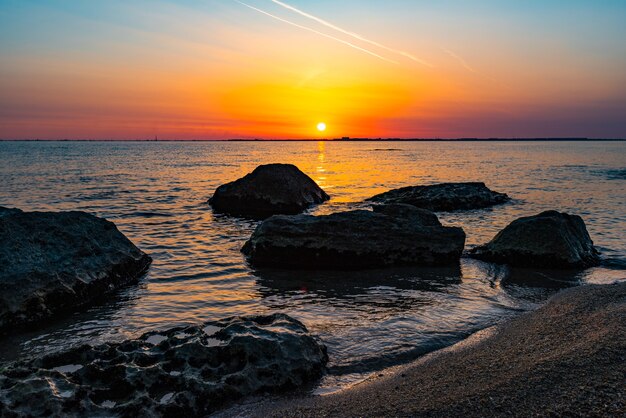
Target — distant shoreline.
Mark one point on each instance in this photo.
(334, 140)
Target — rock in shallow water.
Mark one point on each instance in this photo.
(421, 216)
(353, 240)
(52, 263)
(550, 240)
(444, 197)
(269, 190)
(187, 371)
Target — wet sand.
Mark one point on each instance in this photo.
(566, 358)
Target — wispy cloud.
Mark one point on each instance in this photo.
(366, 51)
(352, 34)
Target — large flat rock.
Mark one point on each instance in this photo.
(354, 240)
(444, 197)
(183, 372)
(550, 239)
(269, 190)
(51, 263)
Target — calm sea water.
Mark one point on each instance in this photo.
(156, 193)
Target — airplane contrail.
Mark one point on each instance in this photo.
(461, 60)
(469, 68)
(367, 51)
(352, 34)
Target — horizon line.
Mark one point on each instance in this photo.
(344, 139)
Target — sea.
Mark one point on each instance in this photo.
(157, 192)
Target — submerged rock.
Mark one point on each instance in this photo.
(52, 263)
(550, 239)
(353, 240)
(444, 197)
(187, 371)
(270, 189)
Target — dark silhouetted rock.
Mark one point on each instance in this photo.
(418, 215)
(352, 240)
(444, 197)
(52, 263)
(269, 190)
(550, 239)
(187, 371)
(8, 211)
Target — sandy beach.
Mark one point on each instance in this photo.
(567, 358)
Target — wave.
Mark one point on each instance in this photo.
(147, 215)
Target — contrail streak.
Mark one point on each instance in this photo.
(461, 60)
(318, 33)
(469, 68)
(352, 34)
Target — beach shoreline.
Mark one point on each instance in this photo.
(568, 357)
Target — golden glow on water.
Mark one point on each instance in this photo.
(156, 194)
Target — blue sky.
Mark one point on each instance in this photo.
(198, 68)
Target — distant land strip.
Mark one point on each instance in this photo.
(345, 139)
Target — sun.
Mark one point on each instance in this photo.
(321, 126)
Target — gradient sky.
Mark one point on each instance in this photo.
(217, 69)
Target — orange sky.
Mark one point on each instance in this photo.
(220, 70)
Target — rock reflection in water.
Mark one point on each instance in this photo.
(366, 305)
(355, 285)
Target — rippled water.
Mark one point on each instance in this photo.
(156, 193)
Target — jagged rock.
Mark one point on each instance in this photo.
(187, 371)
(353, 240)
(444, 197)
(550, 239)
(52, 263)
(270, 189)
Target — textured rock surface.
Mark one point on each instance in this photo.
(187, 371)
(356, 239)
(421, 216)
(550, 239)
(8, 211)
(56, 262)
(444, 197)
(270, 189)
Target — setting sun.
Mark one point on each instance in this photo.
(321, 126)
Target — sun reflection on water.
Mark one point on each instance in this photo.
(199, 274)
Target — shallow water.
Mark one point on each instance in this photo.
(156, 193)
